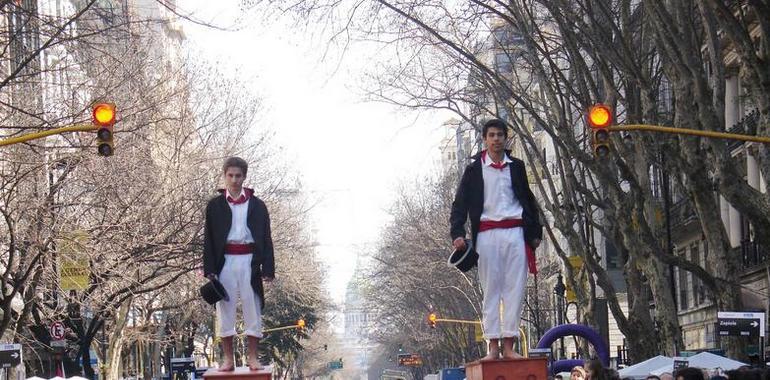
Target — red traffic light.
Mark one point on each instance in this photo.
(600, 116)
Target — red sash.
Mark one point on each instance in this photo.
(239, 249)
(512, 223)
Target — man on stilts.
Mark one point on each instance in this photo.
(238, 251)
(494, 194)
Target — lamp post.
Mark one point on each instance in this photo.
(559, 290)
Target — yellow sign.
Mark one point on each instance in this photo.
(478, 333)
(74, 269)
(576, 262)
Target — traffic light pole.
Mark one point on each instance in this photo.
(522, 334)
(691, 132)
(281, 328)
(470, 322)
(50, 132)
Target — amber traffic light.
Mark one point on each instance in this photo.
(432, 320)
(600, 118)
(301, 323)
(104, 119)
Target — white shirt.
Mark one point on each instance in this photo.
(499, 201)
(239, 230)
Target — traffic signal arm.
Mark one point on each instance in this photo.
(50, 132)
(281, 328)
(685, 131)
(466, 321)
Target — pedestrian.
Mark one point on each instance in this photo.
(595, 370)
(238, 251)
(577, 373)
(494, 195)
(689, 373)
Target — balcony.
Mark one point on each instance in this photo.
(747, 125)
(682, 213)
(753, 254)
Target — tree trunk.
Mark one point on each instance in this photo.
(115, 349)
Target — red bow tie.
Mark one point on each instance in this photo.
(496, 165)
(241, 199)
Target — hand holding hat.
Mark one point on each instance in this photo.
(464, 256)
(213, 291)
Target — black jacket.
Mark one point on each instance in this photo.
(218, 220)
(469, 200)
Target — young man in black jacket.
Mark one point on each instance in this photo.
(494, 194)
(238, 251)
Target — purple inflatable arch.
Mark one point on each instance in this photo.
(582, 331)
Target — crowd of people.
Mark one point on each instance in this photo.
(594, 370)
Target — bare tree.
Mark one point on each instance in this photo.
(557, 59)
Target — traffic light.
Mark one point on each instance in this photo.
(301, 324)
(600, 118)
(326, 347)
(432, 320)
(104, 118)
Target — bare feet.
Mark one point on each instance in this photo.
(494, 350)
(254, 364)
(253, 346)
(508, 352)
(229, 359)
(512, 355)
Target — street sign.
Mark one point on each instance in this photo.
(740, 324)
(10, 355)
(58, 343)
(391, 374)
(410, 360)
(540, 353)
(182, 366)
(57, 330)
(680, 363)
(336, 364)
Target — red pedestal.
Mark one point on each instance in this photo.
(508, 369)
(240, 373)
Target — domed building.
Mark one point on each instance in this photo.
(358, 323)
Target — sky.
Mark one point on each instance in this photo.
(350, 154)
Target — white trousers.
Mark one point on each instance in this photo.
(236, 278)
(503, 276)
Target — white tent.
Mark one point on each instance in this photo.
(704, 360)
(709, 360)
(76, 378)
(641, 370)
(35, 378)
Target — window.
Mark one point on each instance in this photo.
(682, 283)
(506, 37)
(502, 113)
(503, 63)
(698, 294)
